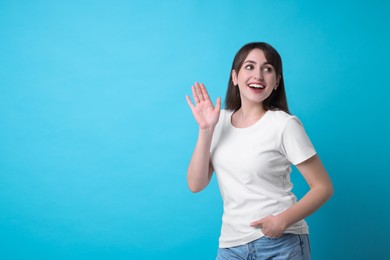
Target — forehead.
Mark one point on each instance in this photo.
(256, 55)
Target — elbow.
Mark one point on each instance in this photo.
(330, 191)
(195, 184)
(325, 192)
(194, 188)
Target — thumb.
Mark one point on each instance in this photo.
(218, 104)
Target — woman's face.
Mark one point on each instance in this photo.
(256, 78)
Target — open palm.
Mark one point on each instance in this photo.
(206, 115)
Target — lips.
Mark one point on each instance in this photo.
(256, 85)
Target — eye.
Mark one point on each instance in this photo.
(267, 69)
(249, 67)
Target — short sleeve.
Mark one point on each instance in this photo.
(295, 143)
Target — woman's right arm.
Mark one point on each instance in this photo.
(207, 116)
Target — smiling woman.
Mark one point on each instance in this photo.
(92, 117)
(251, 146)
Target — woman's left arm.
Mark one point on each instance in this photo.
(321, 189)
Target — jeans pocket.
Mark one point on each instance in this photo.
(275, 238)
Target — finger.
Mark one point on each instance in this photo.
(204, 92)
(189, 102)
(273, 235)
(195, 95)
(218, 104)
(199, 91)
(257, 224)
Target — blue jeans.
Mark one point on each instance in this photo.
(288, 246)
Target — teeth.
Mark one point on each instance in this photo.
(256, 86)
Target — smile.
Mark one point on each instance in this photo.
(256, 86)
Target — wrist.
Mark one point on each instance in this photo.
(206, 130)
(283, 221)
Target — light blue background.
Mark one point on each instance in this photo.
(96, 135)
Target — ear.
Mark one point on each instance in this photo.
(234, 78)
(277, 82)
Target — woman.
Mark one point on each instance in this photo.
(251, 146)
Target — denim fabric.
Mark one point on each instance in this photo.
(288, 246)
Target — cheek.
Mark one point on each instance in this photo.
(272, 80)
(243, 77)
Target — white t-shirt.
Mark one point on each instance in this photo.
(253, 168)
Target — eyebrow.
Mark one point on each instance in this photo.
(254, 62)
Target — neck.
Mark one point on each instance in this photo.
(250, 112)
(247, 116)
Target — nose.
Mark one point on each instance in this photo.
(258, 74)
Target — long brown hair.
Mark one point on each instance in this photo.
(277, 100)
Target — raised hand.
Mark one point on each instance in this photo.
(206, 115)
